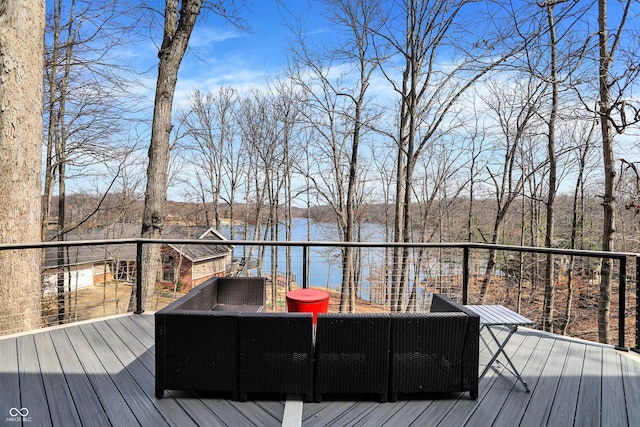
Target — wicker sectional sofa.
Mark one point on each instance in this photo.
(387, 355)
(239, 350)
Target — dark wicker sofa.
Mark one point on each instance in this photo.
(199, 338)
(243, 352)
(352, 355)
(385, 355)
(436, 351)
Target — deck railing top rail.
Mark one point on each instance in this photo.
(316, 243)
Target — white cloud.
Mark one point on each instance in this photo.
(206, 37)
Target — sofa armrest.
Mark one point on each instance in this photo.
(471, 346)
(442, 303)
(201, 298)
(427, 352)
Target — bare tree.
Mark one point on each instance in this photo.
(258, 132)
(549, 293)
(383, 167)
(608, 107)
(85, 99)
(342, 115)
(286, 105)
(515, 110)
(178, 25)
(435, 174)
(557, 67)
(235, 166)
(429, 94)
(22, 53)
(179, 20)
(210, 126)
(583, 151)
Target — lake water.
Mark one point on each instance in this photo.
(325, 264)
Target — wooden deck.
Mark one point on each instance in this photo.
(102, 373)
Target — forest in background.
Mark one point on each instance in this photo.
(449, 226)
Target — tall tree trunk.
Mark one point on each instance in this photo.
(50, 165)
(551, 195)
(521, 256)
(426, 100)
(577, 224)
(398, 226)
(177, 30)
(60, 142)
(21, 80)
(491, 260)
(349, 294)
(403, 186)
(609, 202)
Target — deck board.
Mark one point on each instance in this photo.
(141, 403)
(87, 343)
(102, 373)
(353, 415)
(631, 380)
(55, 385)
(229, 414)
(537, 411)
(85, 400)
(127, 346)
(326, 414)
(31, 384)
(589, 407)
(381, 414)
(10, 390)
(532, 372)
(613, 398)
(496, 392)
(267, 413)
(566, 397)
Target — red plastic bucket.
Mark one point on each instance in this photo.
(308, 301)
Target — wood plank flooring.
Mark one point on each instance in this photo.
(101, 373)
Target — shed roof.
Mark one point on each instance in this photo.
(127, 252)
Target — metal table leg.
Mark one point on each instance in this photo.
(494, 358)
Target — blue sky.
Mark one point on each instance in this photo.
(222, 55)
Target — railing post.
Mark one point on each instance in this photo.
(637, 348)
(465, 275)
(305, 253)
(622, 284)
(139, 309)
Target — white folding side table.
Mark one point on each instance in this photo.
(498, 315)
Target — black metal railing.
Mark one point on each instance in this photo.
(469, 252)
